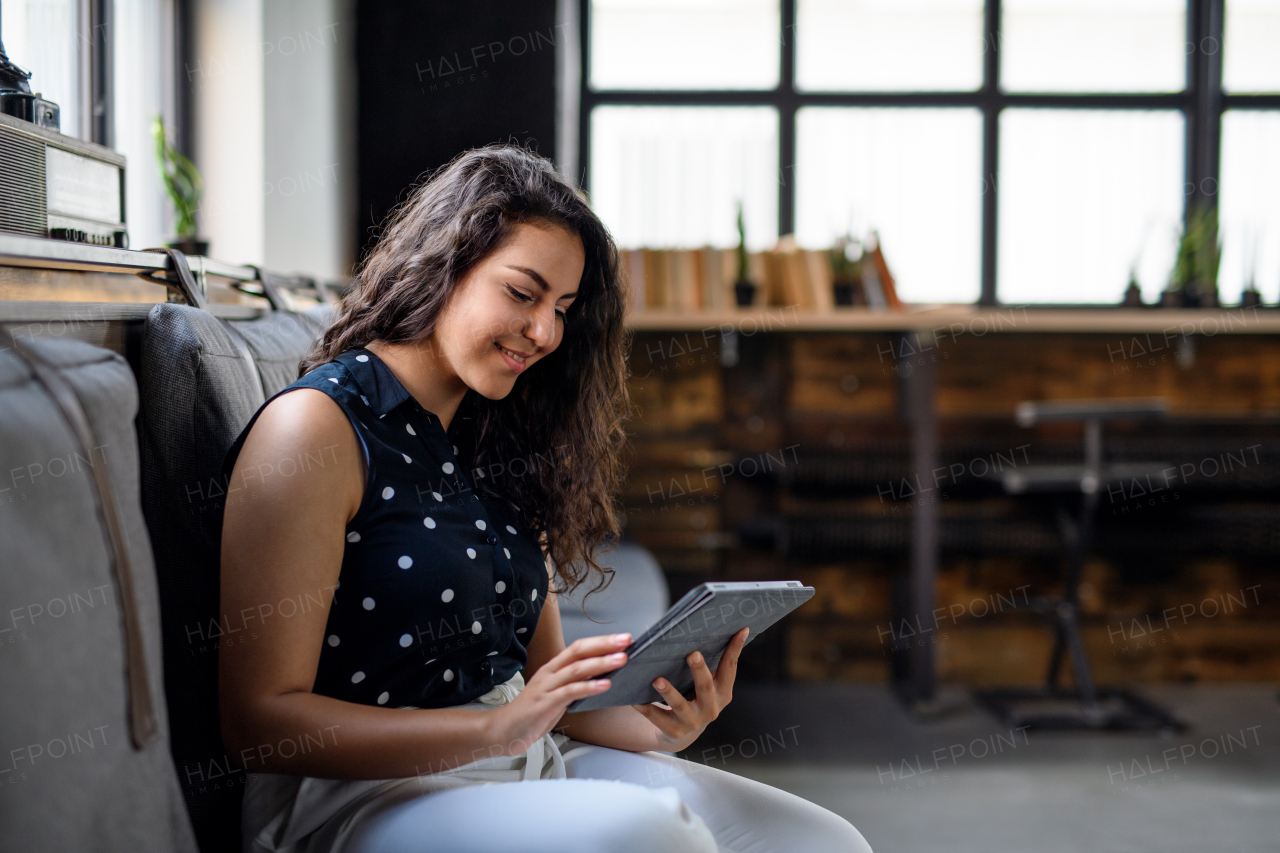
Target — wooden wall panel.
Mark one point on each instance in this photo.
(1230, 375)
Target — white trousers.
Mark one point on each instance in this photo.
(568, 797)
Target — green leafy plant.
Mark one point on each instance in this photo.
(743, 262)
(181, 179)
(845, 259)
(1195, 271)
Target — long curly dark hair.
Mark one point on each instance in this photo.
(552, 447)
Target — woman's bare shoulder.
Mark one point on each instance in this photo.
(293, 431)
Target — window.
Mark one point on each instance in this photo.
(1015, 151)
(1250, 207)
(108, 66)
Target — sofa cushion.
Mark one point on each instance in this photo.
(636, 597)
(201, 380)
(76, 773)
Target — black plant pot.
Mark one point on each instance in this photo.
(745, 292)
(190, 246)
(843, 291)
(1132, 297)
(1251, 298)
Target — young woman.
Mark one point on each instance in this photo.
(452, 450)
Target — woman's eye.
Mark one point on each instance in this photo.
(524, 297)
(564, 316)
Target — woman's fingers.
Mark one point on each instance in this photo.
(663, 721)
(727, 669)
(585, 668)
(580, 689)
(678, 704)
(589, 647)
(702, 679)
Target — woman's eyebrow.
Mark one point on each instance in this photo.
(537, 276)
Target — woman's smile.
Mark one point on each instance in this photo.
(514, 360)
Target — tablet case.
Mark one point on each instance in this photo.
(704, 620)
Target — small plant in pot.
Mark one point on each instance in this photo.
(183, 184)
(1194, 283)
(845, 258)
(744, 289)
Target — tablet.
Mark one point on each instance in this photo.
(704, 620)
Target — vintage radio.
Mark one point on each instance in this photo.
(61, 187)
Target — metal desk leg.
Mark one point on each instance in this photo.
(919, 378)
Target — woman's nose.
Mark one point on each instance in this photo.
(541, 328)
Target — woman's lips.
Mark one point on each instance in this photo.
(516, 366)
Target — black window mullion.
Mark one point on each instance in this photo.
(1204, 113)
(991, 104)
(100, 129)
(585, 102)
(787, 104)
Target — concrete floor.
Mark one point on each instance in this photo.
(965, 783)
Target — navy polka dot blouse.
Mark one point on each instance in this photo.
(441, 586)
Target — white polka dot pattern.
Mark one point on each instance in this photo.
(390, 586)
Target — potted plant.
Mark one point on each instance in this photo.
(845, 258)
(182, 182)
(1250, 297)
(1133, 293)
(1194, 283)
(744, 289)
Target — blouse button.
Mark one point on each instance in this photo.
(491, 539)
(484, 667)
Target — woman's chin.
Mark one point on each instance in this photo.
(494, 387)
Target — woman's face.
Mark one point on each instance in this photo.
(513, 300)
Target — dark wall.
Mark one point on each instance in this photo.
(437, 78)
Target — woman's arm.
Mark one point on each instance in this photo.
(640, 728)
(282, 537)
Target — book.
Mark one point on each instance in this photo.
(885, 279)
(820, 279)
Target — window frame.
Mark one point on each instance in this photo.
(1202, 102)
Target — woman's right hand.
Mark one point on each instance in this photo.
(557, 684)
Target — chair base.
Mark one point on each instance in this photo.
(1116, 709)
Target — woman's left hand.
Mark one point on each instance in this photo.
(684, 720)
